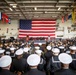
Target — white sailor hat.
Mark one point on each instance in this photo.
(38, 51)
(33, 60)
(37, 47)
(7, 53)
(5, 61)
(67, 52)
(2, 51)
(0, 48)
(12, 48)
(55, 50)
(23, 44)
(48, 47)
(72, 47)
(61, 47)
(26, 49)
(40, 44)
(19, 52)
(65, 58)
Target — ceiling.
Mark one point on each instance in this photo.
(36, 9)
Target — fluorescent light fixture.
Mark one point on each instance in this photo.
(35, 8)
(54, 16)
(14, 6)
(45, 11)
(36, 16)
(59, 8)
(10, 9)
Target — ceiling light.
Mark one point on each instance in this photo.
(45, 11)
(14, 6)
(35, 8)
(59, 8)
(36, 16)
(54, 16)
(11, 9)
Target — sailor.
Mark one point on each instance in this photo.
(48, 54)
(73, 54)
(54, 63)
(33, 60)
(41, 65)
(26, 54)
(12, 52)
(7, 50)
(5, 63)
(41, 47)
(1, 52)
(49, 38)
(65, 59)
(19, 64)
(37, 47)
(61, 49)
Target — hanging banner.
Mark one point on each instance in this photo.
(75, 15)
(0, 15)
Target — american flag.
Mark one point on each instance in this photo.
(37, 28)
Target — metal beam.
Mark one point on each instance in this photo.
(9, 7)
(20, 9)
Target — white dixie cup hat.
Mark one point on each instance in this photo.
(19, 52)
(65, 58)
(33, 60)
(5, 61)
(2, 51)
(38, 51)
(72, 47)
(48, 48)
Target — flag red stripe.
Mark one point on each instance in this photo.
(37, 34)
(43, 25)
(43, 28)
(43, 22)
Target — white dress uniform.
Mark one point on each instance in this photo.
(33, 60)
(65, 59)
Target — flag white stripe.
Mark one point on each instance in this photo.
(44, 21)
(37, 33)
(35, 30)
(43, 24)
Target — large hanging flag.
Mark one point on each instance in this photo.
(37, 28)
